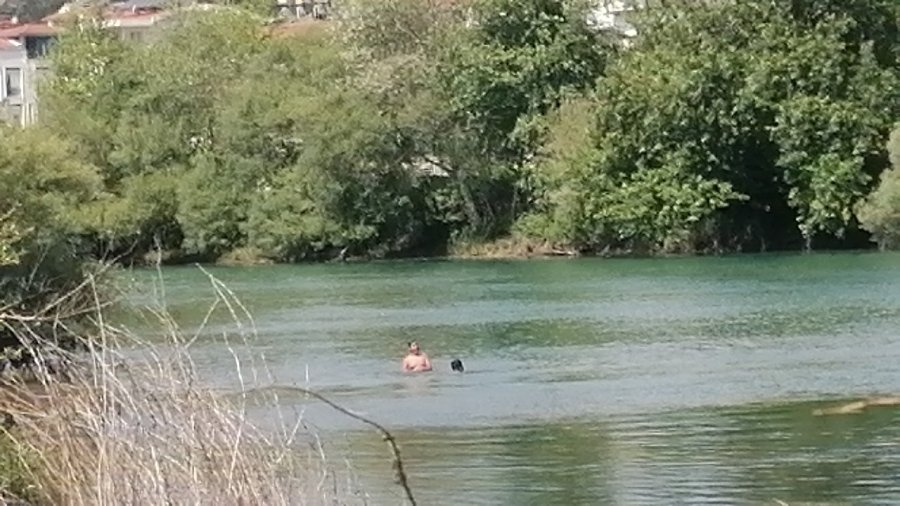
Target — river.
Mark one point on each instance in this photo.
(590, 381)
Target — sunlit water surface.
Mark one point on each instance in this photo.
(670, 381)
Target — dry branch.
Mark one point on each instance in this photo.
(130, 423)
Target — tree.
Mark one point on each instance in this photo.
(145, 115)
(467, 82)
(257, 135)
(777, 108)
(42, 185)
(82, 99)
(497, 80)
(880, 213)
(348, 187)
(414, 124)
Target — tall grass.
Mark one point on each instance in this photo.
(128, 422)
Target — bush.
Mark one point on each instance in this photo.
(760, 119)
(42, 185)
(880, 213)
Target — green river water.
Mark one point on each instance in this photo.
(665, 381)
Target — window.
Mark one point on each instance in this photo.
(37, 47)
(13, 82)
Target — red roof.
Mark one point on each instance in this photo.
(29, 30)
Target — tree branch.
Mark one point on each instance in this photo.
(400, 477)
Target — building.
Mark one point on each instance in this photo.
(23, 50)
(12, 69)
(8, 22)
(136, 26)
(612, 16)
(132, 20)
(298, 9)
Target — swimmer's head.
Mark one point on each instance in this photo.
(456, 365)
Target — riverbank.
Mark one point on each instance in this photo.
(506, 248)
(332, 154)
(510, 247)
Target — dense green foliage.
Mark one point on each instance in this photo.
(409, 125)
(880, 213)
(43, 186)
(745, 124)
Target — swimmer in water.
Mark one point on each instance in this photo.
(416, 360)
(456, 365)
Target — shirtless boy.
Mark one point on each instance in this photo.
(416, 360)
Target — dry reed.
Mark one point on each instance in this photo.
(128, 422)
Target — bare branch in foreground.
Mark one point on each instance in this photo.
(400, 474)
(131, 423)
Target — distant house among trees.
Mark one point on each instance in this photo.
(299, 9)
(24, 47)
(611, 16)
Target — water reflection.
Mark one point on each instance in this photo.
(799, 457)
(541, 464)
(752, 455)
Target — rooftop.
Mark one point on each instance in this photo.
(8, 22)
(29, 30)
(130, 14)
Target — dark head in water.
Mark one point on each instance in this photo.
(456, 365)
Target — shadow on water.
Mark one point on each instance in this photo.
(789, 453)
(748, 455)
(543, 464)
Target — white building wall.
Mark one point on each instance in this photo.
(15, 73)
